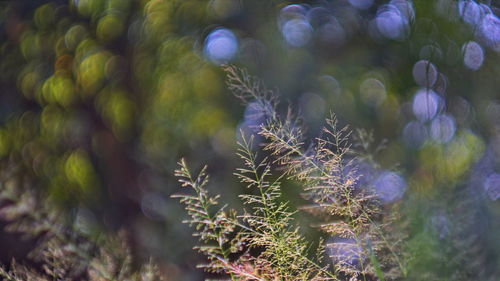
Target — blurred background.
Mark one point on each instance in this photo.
(99, 99)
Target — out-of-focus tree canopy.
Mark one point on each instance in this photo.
(100, 99)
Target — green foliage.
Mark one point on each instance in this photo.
(328, 174)
(63, 251)
(100, 98)
(267, 227)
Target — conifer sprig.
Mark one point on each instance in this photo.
(267, 226)
(285, 249)
(328, 171)
(214, 228)
(350, 214)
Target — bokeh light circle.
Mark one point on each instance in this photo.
(297, 32)
(469, 11)
(389, 187)
(393, 19)
(492, 186)
(473, 55)
(361, 4)
(221, 46)
(489, 31)
(425, 73)
(443, 128)
(414, 133)
(425, 104)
